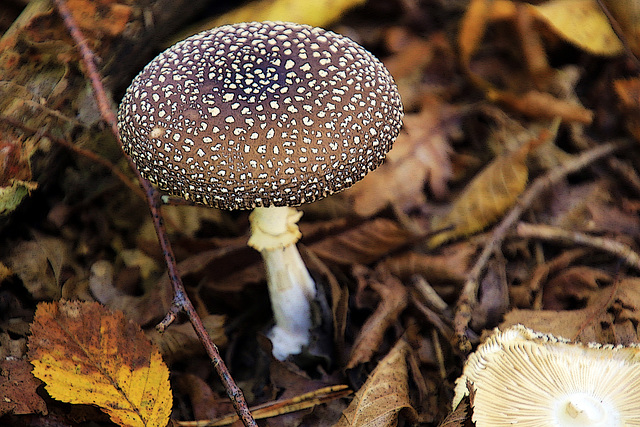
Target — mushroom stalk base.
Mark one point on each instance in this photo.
(291, 289)
(274, 232)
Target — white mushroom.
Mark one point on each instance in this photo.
(264, 115)
(525, 378)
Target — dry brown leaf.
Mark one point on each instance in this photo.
(393, 300)
(582, 23)
(180, 342)
(420, 156)
(363, 244)
(88, 355)
(462, 414)
(532, 103)
(573, 285)
(411, 59)
(451, 266)
(627, 15)
(384, 395)
(474, 24)
(39, 265)
(542, 105)
(487, 197)
(205, 404)
(628, 92)
(571, 206)
(611, 316)
(144, 309)
(18, 389)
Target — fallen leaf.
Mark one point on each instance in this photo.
(180, 342)
(206, 404)
(18, 389)
(318, 13)
(573, 285)
(39, 264)
(88, 355)
(12, 195)
(627, 15)
(363, 244)
(533, 103)
(628, 92)
(540, 104)
(451, 266)
(101, 16)
(393, 300)
(582, 23)
(462, 414)
(477, 16)
(420, 157)
(611, 316)
(384, 395)
(487, 197)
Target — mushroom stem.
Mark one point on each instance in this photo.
(274, 232)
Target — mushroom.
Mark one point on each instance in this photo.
(263, 116)
(521, 377)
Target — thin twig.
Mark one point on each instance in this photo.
(279, 407)
(548, 232)
(468, 296)
(78, 150)
(181, 300)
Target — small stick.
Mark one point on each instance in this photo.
(469, 294)
(180, 300)
(547, 232)
(80, 151)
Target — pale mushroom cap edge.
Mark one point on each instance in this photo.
(525, 378)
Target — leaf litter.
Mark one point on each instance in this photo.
(497, 94)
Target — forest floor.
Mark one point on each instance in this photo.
(511, 196)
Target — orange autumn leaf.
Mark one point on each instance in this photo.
(104, 16)
(86, 354)
(384, 395)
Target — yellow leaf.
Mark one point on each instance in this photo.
(384, 395)
(86, 354)
(317, 13)
(485, 199)
(582, 23)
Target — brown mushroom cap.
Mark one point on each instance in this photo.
(260, 114)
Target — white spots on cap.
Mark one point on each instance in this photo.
(270, 133)
(308, 111)
(156, 132)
